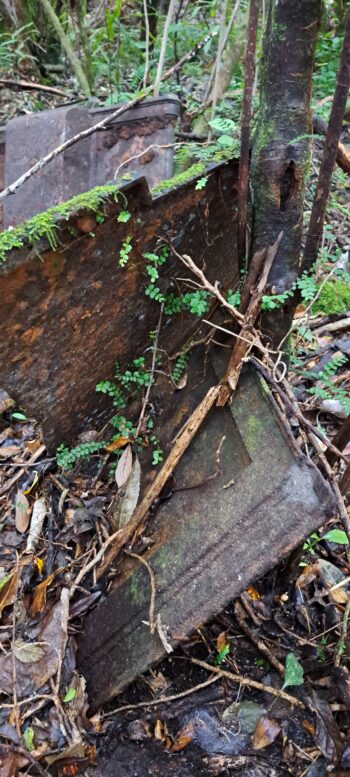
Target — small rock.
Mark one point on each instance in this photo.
(5, 401)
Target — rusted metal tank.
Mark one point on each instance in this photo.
(143, 134)
(67, 314)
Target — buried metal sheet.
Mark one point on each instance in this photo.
(217, 532)
(144, 135)
(67, 314)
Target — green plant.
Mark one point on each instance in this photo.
(66, 458)
(125, 251)
(222, 654)
(179, 367)
(325, 388)
(334, 535)
(334, 298)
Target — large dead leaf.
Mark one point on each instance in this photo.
(8, 590)
(52, 638)
(39, 594)
(127, 500)
(8, 451)
(328, 736)
(124, 467)
(265, 733)
(22, 512)
(28, 652)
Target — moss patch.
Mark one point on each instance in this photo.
(45, 224)
(334, 298)
(181, 178)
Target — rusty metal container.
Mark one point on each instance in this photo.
(138, 135)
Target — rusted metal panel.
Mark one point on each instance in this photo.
(68, 314)
(211, 538)
(89, 162)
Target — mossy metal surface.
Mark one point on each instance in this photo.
(209, 541)
(46, 224)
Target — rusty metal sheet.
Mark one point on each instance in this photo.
(90, 162)
(210, 540)
(67, 315)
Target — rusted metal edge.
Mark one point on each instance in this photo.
(138, 188)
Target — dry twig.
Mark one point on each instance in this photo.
(237, 678)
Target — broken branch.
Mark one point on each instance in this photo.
(237, 678)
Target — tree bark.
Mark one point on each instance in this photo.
(281, 152)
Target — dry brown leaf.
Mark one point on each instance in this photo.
(252, 593)
(124, 467)
(28, 652)
(183, 738)
(182, 382)
(22, 511)
(9, 451)
(266, 731)
(8, 590)
(116, 444)
(38, 603)
(221, 641)
(52, 637)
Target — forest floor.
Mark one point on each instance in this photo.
(287, 629)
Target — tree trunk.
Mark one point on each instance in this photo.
(280, 157)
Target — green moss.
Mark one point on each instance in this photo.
(334, 298)
(135, 594)
(181, 178)
(45, 224)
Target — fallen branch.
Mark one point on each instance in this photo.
(113, 545)
(293, 406)
(101, 124)
(32, 85)
(164, 699)
(241, 347)
(237, 678)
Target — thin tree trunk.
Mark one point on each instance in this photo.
(66, 45)
(314, 235)
(281, 152)
(243, 173)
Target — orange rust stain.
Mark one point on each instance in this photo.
(29, 336)
(86, 224)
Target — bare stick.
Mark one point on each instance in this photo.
(218, 61)
(259, 643)
(177, 451)
(21, 471)
(164, 699)
(241, 347)
(243, 173)
(21, 84)
(319, 206)
(112, 546)
(145, 13)
(100, 124)
(153, 366)
(168, 19)
(293, 406)
(152, 577)
(209, 286)
(66, 45)
(237, 678)
(212, 74)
